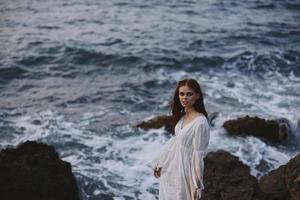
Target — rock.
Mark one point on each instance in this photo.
(263, 166)
(166, 121)
(34, 171)
(157, 122)
(283, 182)
(275, 130)
(273, 184)
(227, 178)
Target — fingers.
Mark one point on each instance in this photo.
(196, 195)
(157, 172)
(156, 175)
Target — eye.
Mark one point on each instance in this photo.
(189, 94)
(181, 94)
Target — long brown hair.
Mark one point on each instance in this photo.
(177, 110)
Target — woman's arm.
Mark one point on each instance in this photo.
(200, 144)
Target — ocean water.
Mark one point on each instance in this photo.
(79, 75)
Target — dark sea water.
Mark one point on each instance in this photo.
(79, 74)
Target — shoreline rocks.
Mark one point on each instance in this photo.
(34, 171)
(274, 130)
(283, 182)
(227, 178)
(166, 121)
(156, 123)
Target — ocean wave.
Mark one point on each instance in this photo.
(9, 73)
(36, 60)
(99, 66)
(254, 62)
(82, 56)
(295, 6)
(289, 5)
(283, 63)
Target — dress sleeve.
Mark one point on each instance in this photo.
(200, 144)
(160, 158)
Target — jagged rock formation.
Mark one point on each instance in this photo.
(34, 171)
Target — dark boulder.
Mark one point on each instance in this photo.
(283, 183)
(227, 178)
(156, 123)
(274, 130)
(34, 171)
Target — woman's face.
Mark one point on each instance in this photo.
(187, 96)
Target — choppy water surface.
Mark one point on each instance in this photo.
(78, 75)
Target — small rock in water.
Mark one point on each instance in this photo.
(36, 122)
(230, 84)
(157, 122)
(275, 130)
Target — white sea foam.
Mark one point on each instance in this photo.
(118, 159)
(121, 163)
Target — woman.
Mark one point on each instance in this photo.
(179, 165)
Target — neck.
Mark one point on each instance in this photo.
(189, 111)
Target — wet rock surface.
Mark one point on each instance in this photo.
(34, 171)
(227, 178)
(283, 182)
(156, 123)
(274, 130)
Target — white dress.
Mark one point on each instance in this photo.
(181, 160)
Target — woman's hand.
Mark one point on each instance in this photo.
(157, 172)
(197, 194)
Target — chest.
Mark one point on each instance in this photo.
(184, 135)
